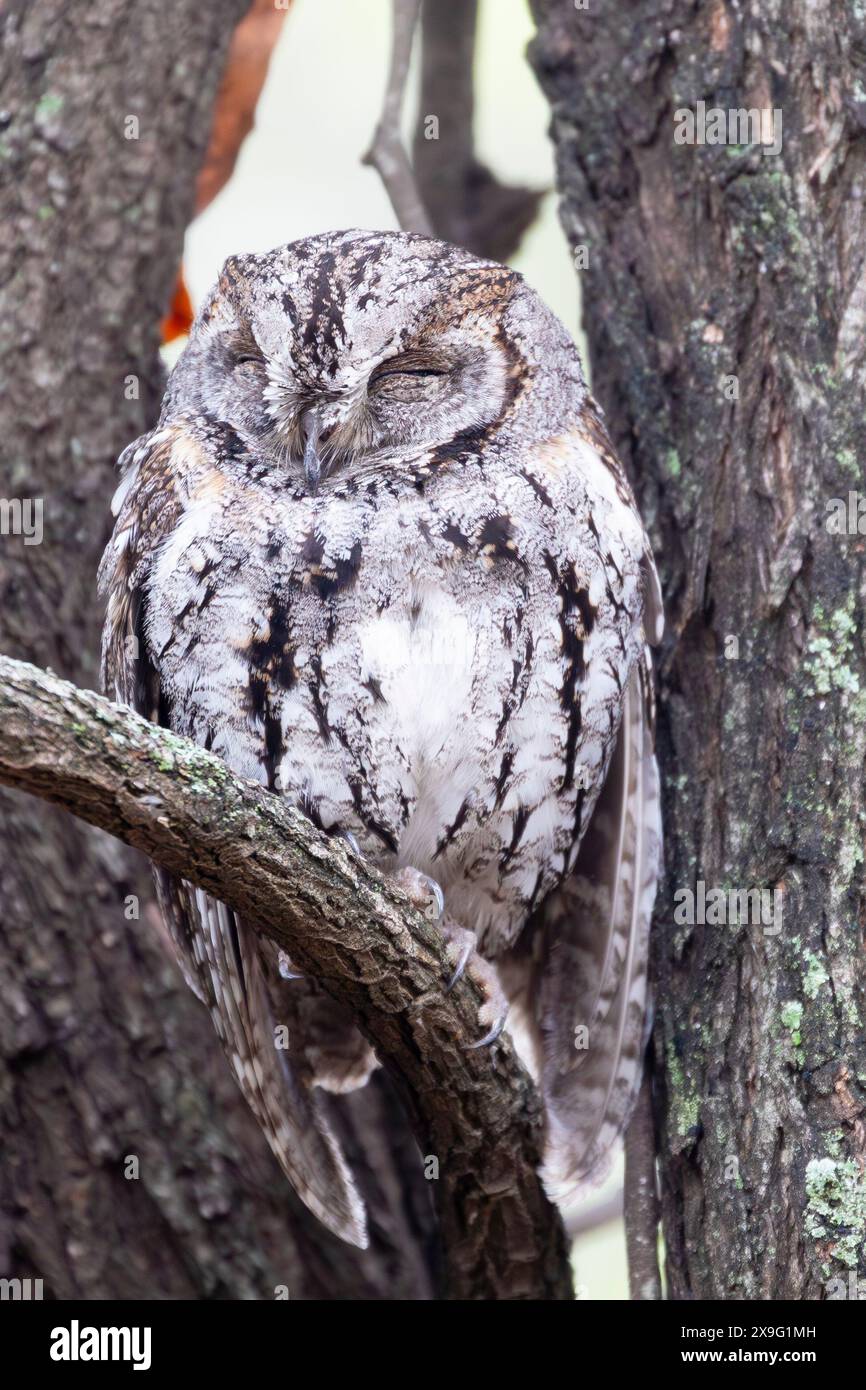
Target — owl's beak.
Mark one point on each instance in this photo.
(311, 426)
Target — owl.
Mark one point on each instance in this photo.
(379, 555)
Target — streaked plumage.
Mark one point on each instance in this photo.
(429, 646)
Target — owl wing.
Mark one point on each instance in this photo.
(591, 989)
(221, 958)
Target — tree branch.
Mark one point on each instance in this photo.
(340, 921)
(387, 154)
(466, 202)
(443, 190)
(641, 1206)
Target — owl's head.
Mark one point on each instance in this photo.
(357, 350)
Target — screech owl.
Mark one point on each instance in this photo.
(379, 555)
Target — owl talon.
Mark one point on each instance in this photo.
(490, 1037)
(461, 946)
(461, 965)
(420, 888)
(352, 842)
(438, 896)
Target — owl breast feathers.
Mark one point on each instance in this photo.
(378, 554)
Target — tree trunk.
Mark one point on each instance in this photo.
(130, 1166)
(725, 307)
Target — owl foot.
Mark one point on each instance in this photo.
(426, 895)
(461, 949)
(493, 1033)
(423, 892)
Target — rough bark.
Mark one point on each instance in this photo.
(475, 1110)
(103, 1052)
(707, 263)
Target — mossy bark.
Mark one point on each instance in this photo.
(725, 309)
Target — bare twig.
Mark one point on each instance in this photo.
(387, 154)
(341, 922)
(641, 1198)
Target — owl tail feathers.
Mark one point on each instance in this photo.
(592, 1007)
(266, 1062)
(294, 1121)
